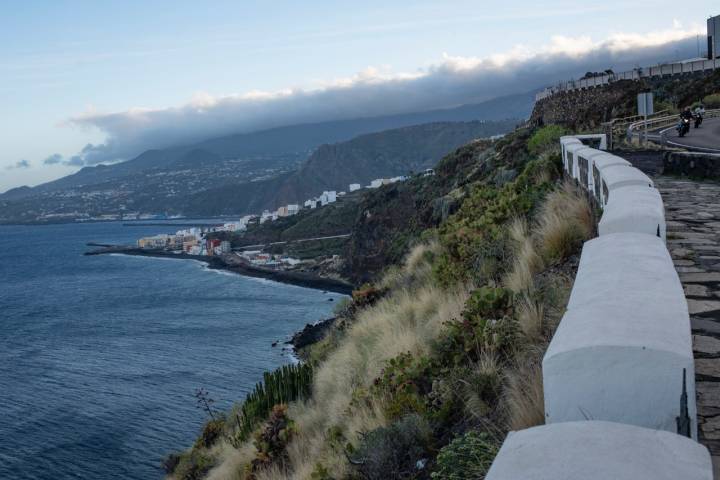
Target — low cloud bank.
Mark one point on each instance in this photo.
(373, 92)
(18, 164)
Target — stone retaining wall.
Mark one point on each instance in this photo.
(692, 164)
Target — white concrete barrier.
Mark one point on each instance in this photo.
(594, 450)
(634, 209)
(619, 176)
(621, 347)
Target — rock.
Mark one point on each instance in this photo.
(681, 253)
(709, 367)
(694, 290)
(702, 306)
(311, 333)
(711, 428)
(705, 344)
(708, 398)
(707, 277)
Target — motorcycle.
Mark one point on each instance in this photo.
(698, 120)
(683, 127)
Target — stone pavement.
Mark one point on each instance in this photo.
(692, 212)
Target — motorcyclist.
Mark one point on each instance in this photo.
(685, 116)
(699, 113)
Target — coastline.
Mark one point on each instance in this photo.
(217, 263)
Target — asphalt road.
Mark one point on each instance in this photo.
(703, 139)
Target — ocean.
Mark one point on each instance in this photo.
(100, 356)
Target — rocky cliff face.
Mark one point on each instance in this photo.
(586, 109)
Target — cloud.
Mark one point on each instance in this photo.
(53, 159)
(18, 164)
(74, 161)
(452, 81)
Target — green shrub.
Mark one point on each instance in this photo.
(193, 465)
(212, 431)
(545, 139)
(467, 456)
(287, 383)
(474, 239)
(393, 451)
(712, 101)
(272, 440)
(403, 384)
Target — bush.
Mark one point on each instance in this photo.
(403, 385)
(212, 431)
(467, 456)
(486, 327)
(193, 465)
(475, 239)
(272, 440)
(545, 139)
(393, 451)
(712, 101)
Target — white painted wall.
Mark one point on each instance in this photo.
(592, 450)
(634, 209)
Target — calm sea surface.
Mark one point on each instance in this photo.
(100, 356)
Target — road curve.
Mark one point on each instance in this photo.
(703, 139)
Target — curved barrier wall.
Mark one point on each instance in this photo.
(618, 376)
(595, 450)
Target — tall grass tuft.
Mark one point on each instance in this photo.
(565, 222)
(524, 401)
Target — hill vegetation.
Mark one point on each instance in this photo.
(200, 182)
(434, 359)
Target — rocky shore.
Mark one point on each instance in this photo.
(236, 265)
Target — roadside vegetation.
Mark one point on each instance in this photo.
(429, 366)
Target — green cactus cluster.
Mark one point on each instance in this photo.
(287, 383)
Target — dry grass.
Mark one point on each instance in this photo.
(408, 320)
(415, 270)
(530, 314)
(523, 399)
(565, 221)
(526, 262)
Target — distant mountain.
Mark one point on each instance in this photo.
(334, 166)
(171, 179)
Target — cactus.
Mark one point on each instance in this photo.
(287, 383)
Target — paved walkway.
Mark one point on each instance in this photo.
(692, 212)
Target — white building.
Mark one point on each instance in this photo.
(311, 203)
(266, 215)
(354, 186)
(293, 209)
(225, 247)
(328, 197)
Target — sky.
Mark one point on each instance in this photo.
(87, 82)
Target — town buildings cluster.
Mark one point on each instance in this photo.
(196, 241)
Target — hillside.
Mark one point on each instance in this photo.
(285, 144)
(201, 187)
(429, 365)
(333, 167)
(209, 179)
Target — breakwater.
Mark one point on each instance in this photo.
(301, 279)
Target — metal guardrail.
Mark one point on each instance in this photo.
(636, 130)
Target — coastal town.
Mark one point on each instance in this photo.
(199, 241)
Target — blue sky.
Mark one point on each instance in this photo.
(63, 60)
